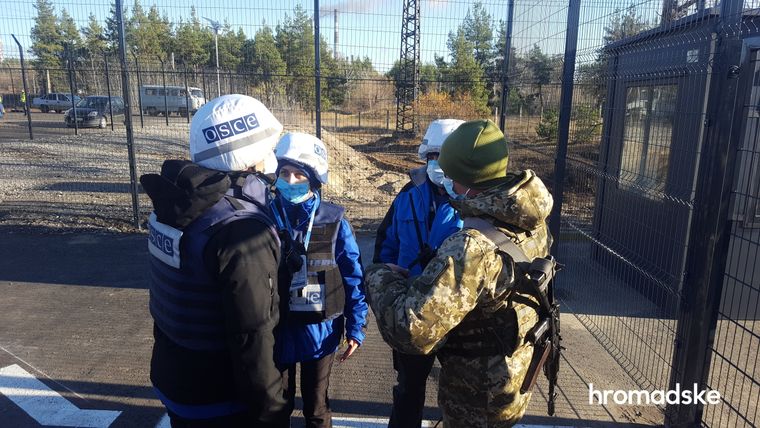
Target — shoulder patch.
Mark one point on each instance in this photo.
(163, 242)
(434, 270)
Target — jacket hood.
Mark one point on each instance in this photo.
(523, 201)
(183, 191)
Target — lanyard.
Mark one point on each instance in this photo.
(289, 227)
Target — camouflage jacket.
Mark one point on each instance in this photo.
(467, 279)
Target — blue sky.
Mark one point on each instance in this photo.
(366, 28)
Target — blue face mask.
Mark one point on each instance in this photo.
(295, 193)
(434, 172)
(448, 184)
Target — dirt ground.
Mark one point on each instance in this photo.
(61, 181)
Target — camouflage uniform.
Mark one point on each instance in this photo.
(466, 283)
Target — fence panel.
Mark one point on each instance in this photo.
(632, 157)
(733, 353)
(59, 181)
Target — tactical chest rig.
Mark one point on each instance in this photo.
(324, 296)
(494, 333)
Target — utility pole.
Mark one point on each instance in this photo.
(216, 27)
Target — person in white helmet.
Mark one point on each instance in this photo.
(321, 278)
(214, 255)
(416, 224)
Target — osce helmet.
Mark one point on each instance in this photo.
(304, 150)
(436, 133)
(233, 133)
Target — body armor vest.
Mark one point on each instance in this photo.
(323, 297)
(185, 300)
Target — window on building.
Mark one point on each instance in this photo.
(647, 136)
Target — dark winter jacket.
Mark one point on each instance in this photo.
(240, 258)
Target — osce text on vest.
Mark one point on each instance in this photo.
(676, 396)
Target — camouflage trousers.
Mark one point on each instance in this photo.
(483, 392)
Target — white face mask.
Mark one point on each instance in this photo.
(448, 184)
(435, 173)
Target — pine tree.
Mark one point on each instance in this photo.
(230, 48)
(295, 41)
(94, 44)
(477, 26)
(71, 39)
(47, 45)
(464, 69)
(540, 66)
(148, 35)
(191, 42)
(112, 28)
(265, 63)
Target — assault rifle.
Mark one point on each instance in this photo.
(545, 335)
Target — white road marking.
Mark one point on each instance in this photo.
(46, 406)
(165, 422)
(351, 422)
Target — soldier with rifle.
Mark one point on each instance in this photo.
(484, 303)
(416, 224)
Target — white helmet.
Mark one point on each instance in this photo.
(436, 133)
(305, 149)
(233, 133)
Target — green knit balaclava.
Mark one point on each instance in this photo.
(475, 155)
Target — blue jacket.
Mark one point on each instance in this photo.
(304, 342)
(397, 240)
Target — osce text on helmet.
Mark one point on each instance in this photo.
(236, 126)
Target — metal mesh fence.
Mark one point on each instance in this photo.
(733, 352)
(627, 207)
(664, 106)
(267, 52)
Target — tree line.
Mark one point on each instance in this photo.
(278, 61)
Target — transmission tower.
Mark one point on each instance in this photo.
(409, 70)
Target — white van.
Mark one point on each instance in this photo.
(154, 102)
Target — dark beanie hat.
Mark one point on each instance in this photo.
(314, 182)
(475, 155)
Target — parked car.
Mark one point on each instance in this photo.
(54, 101)
(94, 111)
(157, 99)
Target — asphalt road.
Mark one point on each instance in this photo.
(73, 314)
(15, 125)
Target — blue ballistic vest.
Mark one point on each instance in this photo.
(185, 300)
(324, 297)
